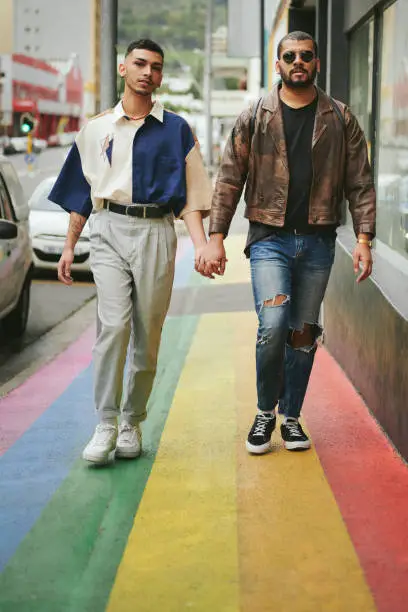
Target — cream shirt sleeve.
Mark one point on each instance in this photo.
(199, 187)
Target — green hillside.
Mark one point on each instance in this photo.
(178, 24)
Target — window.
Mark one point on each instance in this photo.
(361, 80)
(392, 149)
(361, 76)
(5, 201)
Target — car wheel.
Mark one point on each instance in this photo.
(15, 322)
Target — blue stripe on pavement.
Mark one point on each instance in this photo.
(36, 465)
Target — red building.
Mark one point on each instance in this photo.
(52, 92)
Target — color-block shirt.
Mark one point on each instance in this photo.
(155, 160)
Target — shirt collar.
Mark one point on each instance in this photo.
(157, 111)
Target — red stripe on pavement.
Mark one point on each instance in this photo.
(368, 479)
(26, 403)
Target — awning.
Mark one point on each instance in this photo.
(24, 106)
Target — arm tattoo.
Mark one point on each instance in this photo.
(76, 225)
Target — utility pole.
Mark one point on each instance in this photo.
(108, 42)
(208, 82)
(262, 44)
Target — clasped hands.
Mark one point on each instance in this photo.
(210, 258)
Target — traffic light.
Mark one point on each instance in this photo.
(26, 123)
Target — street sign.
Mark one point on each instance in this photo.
(29, 158)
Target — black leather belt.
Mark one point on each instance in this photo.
(301, 232)
(307, 231)
(138, 210)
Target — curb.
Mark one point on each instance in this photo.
(50, 345)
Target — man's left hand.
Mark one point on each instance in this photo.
(362, 258)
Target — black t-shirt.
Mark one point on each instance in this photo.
(298, 124)
(298, 127)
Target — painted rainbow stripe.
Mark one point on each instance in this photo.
(196, 523)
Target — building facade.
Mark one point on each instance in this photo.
(53, 31)
(52, 94)
(364, 62)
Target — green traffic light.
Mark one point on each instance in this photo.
(26, 123)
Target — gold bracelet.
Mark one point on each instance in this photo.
(365, 241)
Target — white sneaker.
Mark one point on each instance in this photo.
(101, 444)
(129, 444)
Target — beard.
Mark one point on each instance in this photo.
(136, 89)
(287, 79)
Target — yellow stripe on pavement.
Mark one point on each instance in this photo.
(237, 268)
(294, 549)
(221, 531)
(182, 551)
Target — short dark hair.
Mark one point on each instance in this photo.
(144, 43)
(298, 35)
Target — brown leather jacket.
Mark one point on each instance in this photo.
(337, 169)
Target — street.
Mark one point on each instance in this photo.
(47, 163)
(51, 302)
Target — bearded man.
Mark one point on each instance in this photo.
(298, 151)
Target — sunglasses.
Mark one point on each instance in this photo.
(290, 56)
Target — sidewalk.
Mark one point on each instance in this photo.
(196, 523)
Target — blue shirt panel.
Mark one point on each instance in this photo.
(158, 168)
(159, 161)
(71, 190)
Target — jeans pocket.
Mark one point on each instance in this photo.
(328, 242)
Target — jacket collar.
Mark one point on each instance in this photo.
(271, 103)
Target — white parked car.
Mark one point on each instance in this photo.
(15, 252)
(48, 228)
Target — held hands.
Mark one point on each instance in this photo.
(64, 266)
(210, 258)
(362, 259)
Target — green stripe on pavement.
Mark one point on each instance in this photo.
(68, 561)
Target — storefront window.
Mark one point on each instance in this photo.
(361, 76)
(361, 80)
(392, 166)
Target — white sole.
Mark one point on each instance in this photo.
(294, 446)
(98, 460)
(259, 449)
(127, 454)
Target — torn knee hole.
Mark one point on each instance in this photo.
(304, 338)
(278, 300)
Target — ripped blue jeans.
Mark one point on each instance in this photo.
(289, 278)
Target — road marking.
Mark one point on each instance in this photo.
(38, 281)
(216, 525)
(368, 478)
(294, 549)
(50, 491)
(182, 551)
(36, 172)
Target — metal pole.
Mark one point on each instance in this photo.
(108, 88)
(108, 41)
(262, 43)
(208, 82)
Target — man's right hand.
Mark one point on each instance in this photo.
(214, 256)
(64, 266)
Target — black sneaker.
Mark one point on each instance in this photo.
(259, 438)
(293, 435)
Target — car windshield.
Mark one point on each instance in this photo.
(39, 200)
